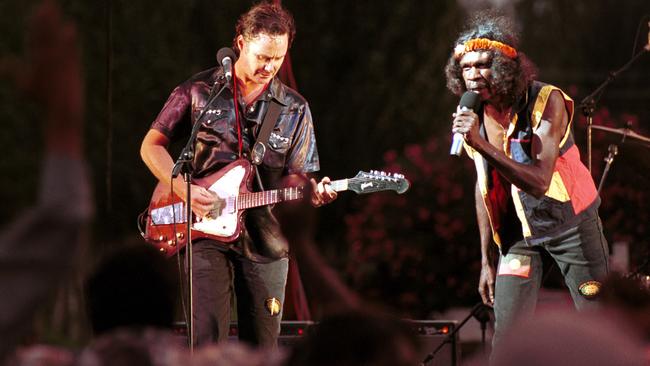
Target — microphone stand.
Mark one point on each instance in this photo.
(184, 165)
(588, 104)
(480, 316)
(483, 316)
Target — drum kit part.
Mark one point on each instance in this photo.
(588, 106)
(639, 277)
(626, 132)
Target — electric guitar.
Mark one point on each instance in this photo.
(166, 218)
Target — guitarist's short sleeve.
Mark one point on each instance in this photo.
(303, 154)
(173, 111)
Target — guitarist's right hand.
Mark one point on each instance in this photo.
(202, 200)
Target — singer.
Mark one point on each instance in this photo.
(532, 191)
(254, 268)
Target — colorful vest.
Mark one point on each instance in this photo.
(571, 196)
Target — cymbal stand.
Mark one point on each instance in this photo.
(588, 104)
(609, 159)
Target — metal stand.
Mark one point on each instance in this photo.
(588, 104)
(483, 316)
(187, 177)
(480, 311)
(184, 165)
(609, 159)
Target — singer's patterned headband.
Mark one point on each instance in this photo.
(484, 44)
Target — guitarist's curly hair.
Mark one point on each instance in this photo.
(511, 76)
(265, 17)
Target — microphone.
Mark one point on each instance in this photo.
(469, 101)
(226, 56)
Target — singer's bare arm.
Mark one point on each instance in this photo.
(486, 280)
(154, 154)
(532, 178)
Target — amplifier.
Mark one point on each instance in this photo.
(290, 331)
(434, 335)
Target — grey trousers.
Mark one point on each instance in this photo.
(581, 254)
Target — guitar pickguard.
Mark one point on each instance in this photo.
(227, 188)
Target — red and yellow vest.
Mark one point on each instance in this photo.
(571, 196)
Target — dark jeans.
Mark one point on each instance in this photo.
(219, 274)
(581, 254)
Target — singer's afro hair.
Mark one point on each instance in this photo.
(510, 77)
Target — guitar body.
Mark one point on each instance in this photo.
(166, 228)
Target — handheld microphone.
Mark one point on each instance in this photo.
(226, 56)
(469, 101)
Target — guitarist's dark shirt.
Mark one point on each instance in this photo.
(292, 144)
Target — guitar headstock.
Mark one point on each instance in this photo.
(376, 181)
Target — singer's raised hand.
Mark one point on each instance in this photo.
(50, 73)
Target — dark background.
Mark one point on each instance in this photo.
(373, 74)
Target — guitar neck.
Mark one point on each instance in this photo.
(264, 198)
(340, 185)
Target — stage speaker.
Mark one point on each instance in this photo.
(436, 338)
(290, 331)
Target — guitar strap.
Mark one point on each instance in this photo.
(271, 245)
(259, 149)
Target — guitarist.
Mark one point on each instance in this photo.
(254, 267)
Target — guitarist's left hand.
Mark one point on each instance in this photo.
(322, 193)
